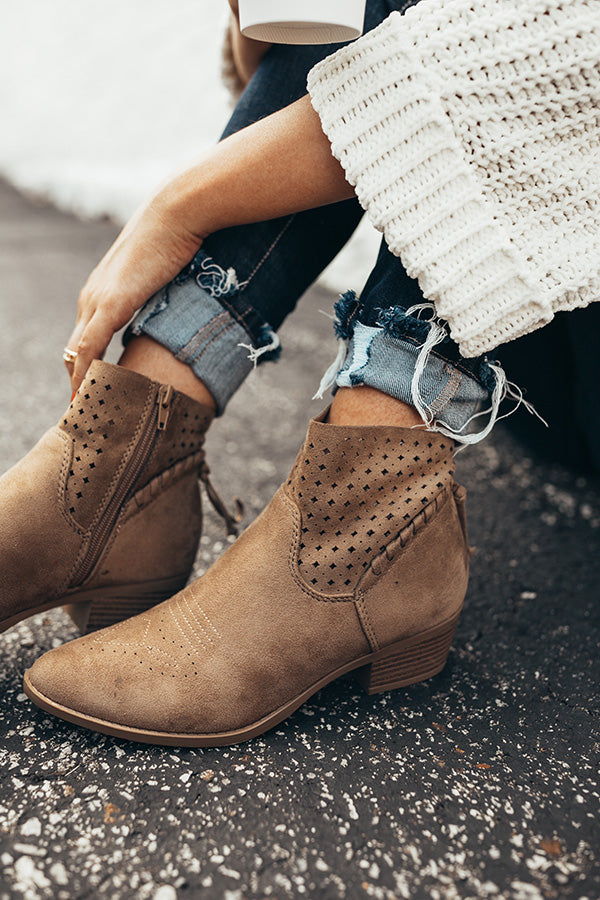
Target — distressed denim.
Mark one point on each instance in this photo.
(221, 314)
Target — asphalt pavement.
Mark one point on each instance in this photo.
(483, 782)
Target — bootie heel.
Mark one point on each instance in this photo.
(414, 659)
(99, 608)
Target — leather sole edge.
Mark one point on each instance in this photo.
(226, 738)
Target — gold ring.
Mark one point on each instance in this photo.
(69, 355)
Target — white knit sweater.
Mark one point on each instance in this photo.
(471, 132)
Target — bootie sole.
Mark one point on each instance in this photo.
(403, 663)
(101, 607)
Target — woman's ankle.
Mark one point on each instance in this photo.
(149, 358)
(363, 405)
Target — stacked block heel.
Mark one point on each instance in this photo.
(415, 659)
(91, 610)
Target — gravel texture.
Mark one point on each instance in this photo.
(482, 782)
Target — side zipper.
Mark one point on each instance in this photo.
(157, 421)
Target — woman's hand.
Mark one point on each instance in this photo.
(152, 248)
(247, 53)
(280, 165)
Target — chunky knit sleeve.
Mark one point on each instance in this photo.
(470, 130)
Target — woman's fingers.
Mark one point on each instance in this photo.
(72, 345)
(90, 340)
(152, 248)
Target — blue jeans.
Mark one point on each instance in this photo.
(221, 314)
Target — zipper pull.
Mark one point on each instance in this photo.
(163, 399)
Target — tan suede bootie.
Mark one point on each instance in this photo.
(359, 561)
(104, 513)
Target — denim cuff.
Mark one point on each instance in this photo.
(407, 354)
(198, 331)
(387, 363)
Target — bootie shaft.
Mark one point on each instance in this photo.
(104, 514)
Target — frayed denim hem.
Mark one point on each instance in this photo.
(224, 286)
(399, 322)
(402, 354)
(192, 317)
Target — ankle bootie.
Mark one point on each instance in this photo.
(359, 561)
(104, 513)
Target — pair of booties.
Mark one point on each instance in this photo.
(360, 561)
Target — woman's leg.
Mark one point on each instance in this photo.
(128, 527)
(390, 336)
(245, 280)
(360, 561)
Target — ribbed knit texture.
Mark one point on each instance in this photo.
(471, 132)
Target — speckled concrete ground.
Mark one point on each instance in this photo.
(480, 783)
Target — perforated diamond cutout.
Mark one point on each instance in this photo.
(105, 422)
(358, 492)
(101, 434)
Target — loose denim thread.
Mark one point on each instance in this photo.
(397, 322)
(328, 379)
(271, 346)
(438, 333)
(219, 282)
(344, 312)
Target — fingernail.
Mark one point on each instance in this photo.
(73, 396)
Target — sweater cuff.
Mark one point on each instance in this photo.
(381, 107)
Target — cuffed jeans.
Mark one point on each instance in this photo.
(221, 314)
